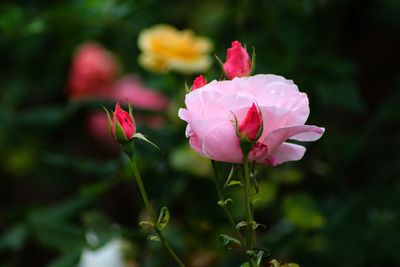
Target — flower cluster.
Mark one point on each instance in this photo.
(264, 110)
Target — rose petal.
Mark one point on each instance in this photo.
(222, 144)
(284, 152)
(300, 133)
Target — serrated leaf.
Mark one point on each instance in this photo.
(163, 218)
(143, 138)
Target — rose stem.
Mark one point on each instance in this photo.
(151, 212)
(223, 204)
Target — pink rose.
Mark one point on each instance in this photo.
(122, 125)
(210, 114)
(199, 82)
(93, 69)
(237, 62)
(130, 89)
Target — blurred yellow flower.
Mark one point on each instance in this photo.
(164, 48)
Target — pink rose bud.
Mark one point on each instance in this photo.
(199, 82)
(238, 62)
(250, 127)
(122, 126)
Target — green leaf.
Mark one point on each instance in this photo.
(232, 183)
(143, 138)
(246, 264)
(228, 240)
(163, 218)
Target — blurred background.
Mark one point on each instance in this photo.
(66, 190)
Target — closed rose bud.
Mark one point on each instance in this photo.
(237, 62)
(199, 82)
(122, 125)
(249, 128)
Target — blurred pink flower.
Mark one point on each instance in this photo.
(93, 69)
(211, 124)
(237, 62)
(129, 89)
(98, 127)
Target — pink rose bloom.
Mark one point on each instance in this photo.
(237, 62)
(284, 110)
(93, 69)
(130, 89)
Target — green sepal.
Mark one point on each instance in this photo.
(221, 65)
(253, 61)
(143, 138)
(228, 240)
(236, 125)
(108, 119)
(163, 218)
(261, 129)
(187, 88)
(246, 264)
(119, 134)
(146, 224)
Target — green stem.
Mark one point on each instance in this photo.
(151, 212)
(223, 205)
(248, 208)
